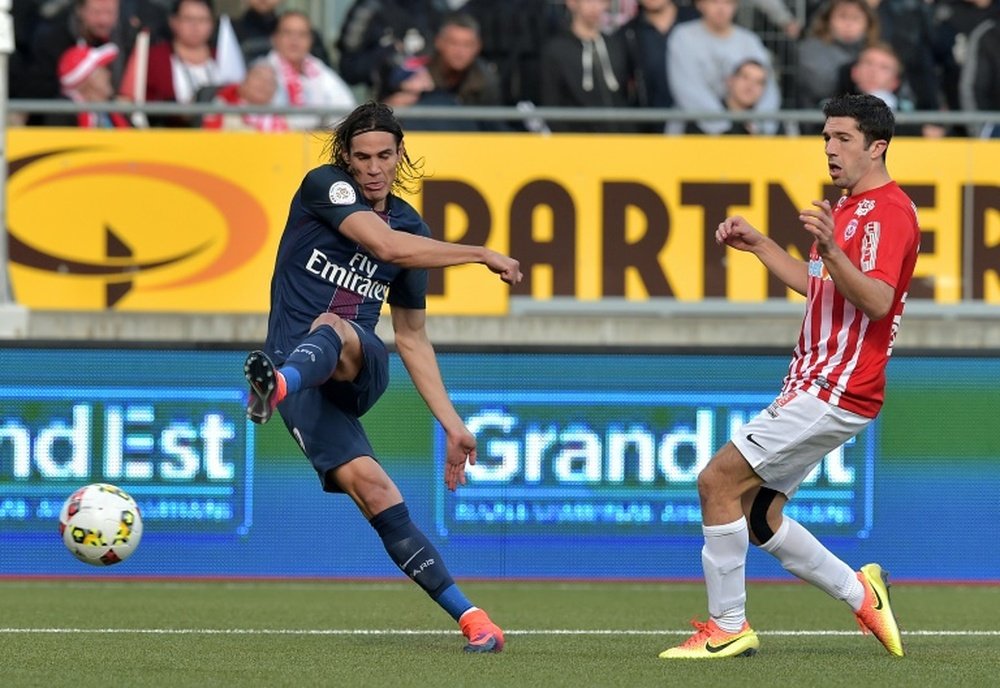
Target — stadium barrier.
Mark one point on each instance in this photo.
(587, 465)
(982, 121)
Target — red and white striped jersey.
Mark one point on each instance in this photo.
(841, 354)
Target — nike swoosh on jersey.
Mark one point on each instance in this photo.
(751, 440)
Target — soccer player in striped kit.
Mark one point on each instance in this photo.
(855, 284)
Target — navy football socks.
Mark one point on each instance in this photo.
(418, 558)
(313, 361)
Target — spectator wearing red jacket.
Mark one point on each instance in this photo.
(186, 64)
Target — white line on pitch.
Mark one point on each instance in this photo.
(411, 631)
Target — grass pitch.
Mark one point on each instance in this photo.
(137, 634)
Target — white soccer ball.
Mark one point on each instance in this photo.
(100, 524)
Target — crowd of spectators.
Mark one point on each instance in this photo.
(691, 55)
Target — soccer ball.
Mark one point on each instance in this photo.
(100, 524)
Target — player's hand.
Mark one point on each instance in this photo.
(738, 233)
(460, 450)
(508, 268)
(819, 223)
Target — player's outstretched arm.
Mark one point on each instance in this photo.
(737, 233)
(412, 251)
(418, 356)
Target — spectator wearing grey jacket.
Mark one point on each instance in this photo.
(837, 35)
(700, 57)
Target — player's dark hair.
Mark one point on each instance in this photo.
(374, 116)
(875, 119)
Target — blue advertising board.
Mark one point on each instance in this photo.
(615, 462)
(587, 466)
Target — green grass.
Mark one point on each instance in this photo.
(417, 645)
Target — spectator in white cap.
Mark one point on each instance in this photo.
(85, 77)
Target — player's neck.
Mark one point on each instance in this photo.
(873, 180)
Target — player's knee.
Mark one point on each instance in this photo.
(377, 498)
(340, 326)
(717, 479)
(368, 485)
(334, 321)
(708, 483)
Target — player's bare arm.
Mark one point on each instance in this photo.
(508, 268)
(417, 353)
(412, 251)
(872, 296)
(736, 232)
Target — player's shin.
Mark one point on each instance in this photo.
(417, 557)
(803, 555)
(724, 560)
(313, 361)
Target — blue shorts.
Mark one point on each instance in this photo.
(325, 421)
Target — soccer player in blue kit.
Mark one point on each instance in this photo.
(349, 244)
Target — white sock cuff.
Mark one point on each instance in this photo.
(470, 609)
(778, 539)
(725, 529)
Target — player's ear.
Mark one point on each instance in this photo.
(878, 148)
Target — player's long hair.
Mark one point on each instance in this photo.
(875, 119)
(374, 116)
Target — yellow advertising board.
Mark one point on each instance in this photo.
(190, 220)
(147, 221)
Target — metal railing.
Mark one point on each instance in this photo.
(974, 121)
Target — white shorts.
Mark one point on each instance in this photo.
(785, 441)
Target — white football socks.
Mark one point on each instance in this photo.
(724, 560)
(804, 556)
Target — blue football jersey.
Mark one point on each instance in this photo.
(319, 270)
